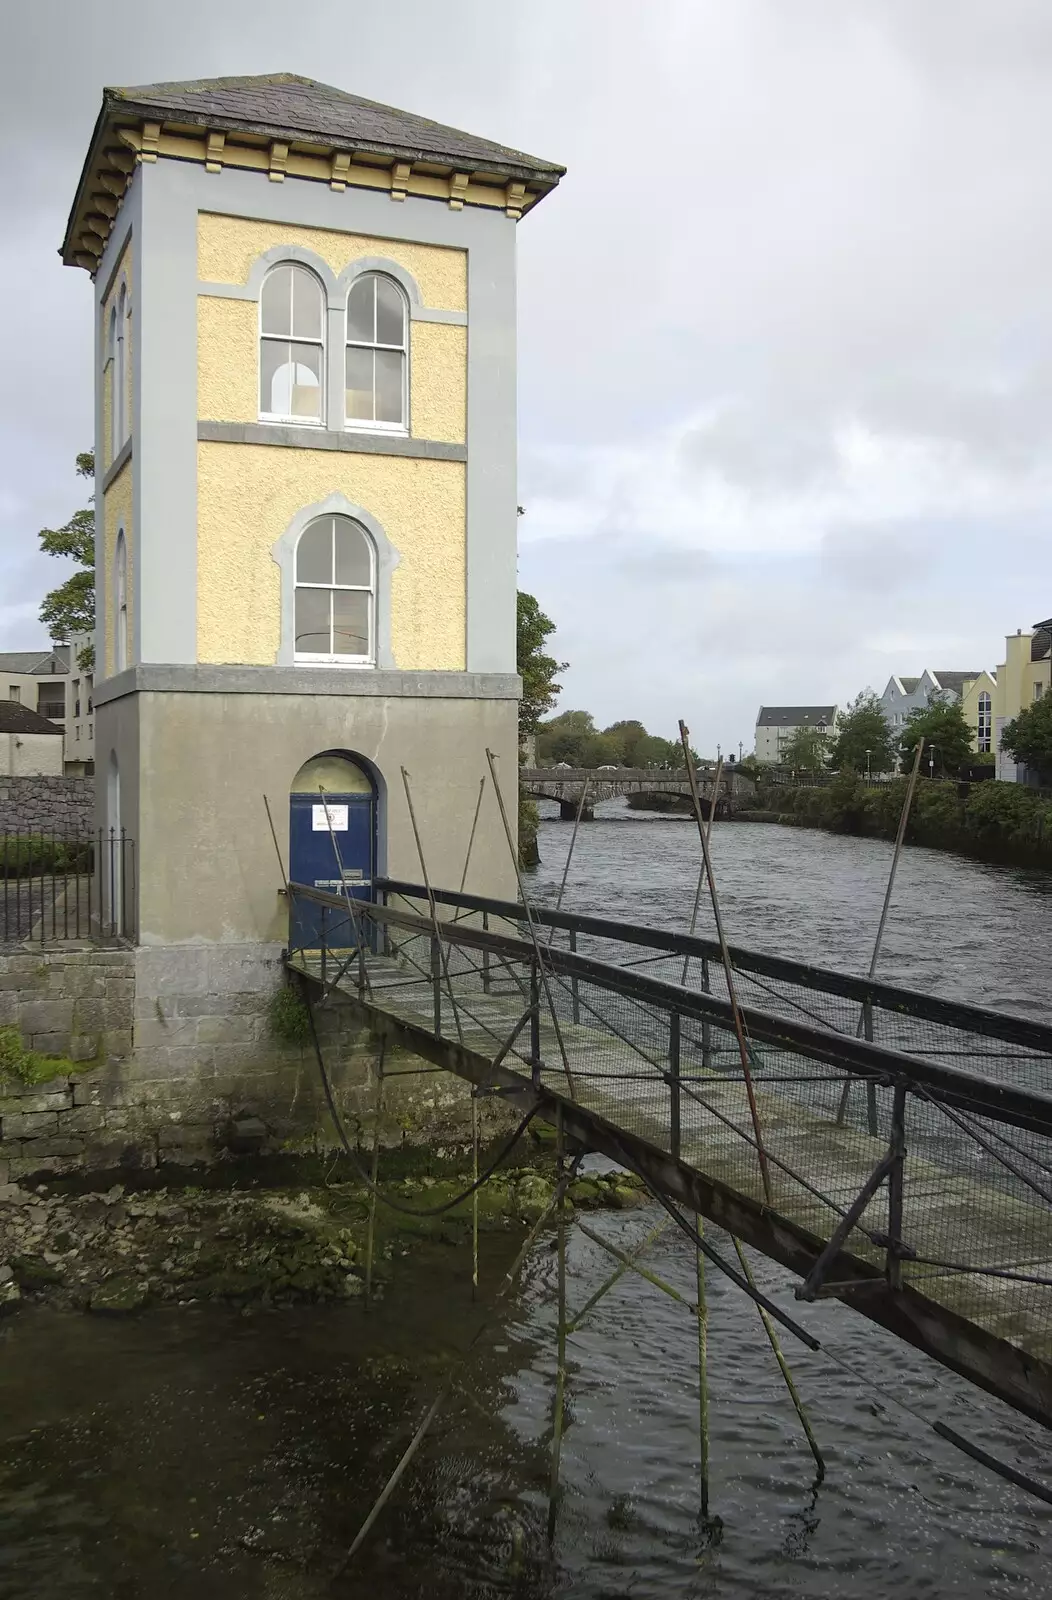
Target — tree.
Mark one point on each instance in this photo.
(70, 608)
(947, 738)
(566, 738)
(537, 670)
(806, 751)
(863, 737)
(1028, 737)
(626, 739)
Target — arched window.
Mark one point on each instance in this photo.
(120, 373)
(377, 350)
(120, 610)
(111, 357)
(291, 345)
(985, 722)
(335, 593)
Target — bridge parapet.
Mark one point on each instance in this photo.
(565, 785)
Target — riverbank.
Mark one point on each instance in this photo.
(991, 821)
(246, 1242)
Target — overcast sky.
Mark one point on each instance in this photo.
(785, 328)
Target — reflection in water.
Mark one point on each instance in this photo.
(200, 1454)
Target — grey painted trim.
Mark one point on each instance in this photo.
(165, 571)
(456, 319)
(390, 269)
(387, 558)
(307, 438)
(124, 454)
(417, 313)
(340, 682)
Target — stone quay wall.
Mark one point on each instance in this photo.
(47, 805)
(173, 1061)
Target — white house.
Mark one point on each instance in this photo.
(904, 695)
(777, 726)
(30, 745)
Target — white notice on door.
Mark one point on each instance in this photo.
(336, 818)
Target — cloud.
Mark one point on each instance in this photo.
(785, 328)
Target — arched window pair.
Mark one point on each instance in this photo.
(292, 350)
(335, 617)
(985, 730)
(118, 373)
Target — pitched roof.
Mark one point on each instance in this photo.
(909, 684)
(954, 682)
(795, 716)
(298, 113)
(28, 662)
(17, 718)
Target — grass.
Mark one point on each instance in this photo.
(19, 1065)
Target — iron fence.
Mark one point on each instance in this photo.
(57, 886)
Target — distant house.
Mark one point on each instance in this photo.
(1022, 678)
(904, 695)
(52, 683)
(30, 745)
(776, 726)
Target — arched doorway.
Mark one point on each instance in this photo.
(332, 842)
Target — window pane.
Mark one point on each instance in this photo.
(306, 381)
(350, 622)
(277, 297)
(359, 383)
(353, 554)
(360, 311)
(390, 313)
(314, 553)
(312, 622)
(389, 385)
(275, 384)
(306, 304)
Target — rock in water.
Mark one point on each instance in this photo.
(120, 1295)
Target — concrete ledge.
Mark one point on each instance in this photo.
(118, 464)
(147, 678)
(360, 444)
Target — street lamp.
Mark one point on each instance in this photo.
(931, 760)
(867, 766)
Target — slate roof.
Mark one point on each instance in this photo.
(16, 718)
(909, 684)
(282, 104)
(795, 716)
(955, 681)
(29, 662)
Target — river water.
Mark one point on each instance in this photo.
(203, 1453)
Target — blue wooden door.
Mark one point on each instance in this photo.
(340, 860)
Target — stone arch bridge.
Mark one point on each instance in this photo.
(565, 784)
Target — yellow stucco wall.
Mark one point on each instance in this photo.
(117, 513)
(228, 370)
(227, 247)
(984, 683)
(123, 275)
(247, 496)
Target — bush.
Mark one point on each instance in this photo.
(19, 1065)
(28, 855)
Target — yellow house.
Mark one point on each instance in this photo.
(306, 494)
(1022, 678)
(978, 703)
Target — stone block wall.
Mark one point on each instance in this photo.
(170, 1047)
(47, 805)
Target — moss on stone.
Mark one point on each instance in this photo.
(20, 1065)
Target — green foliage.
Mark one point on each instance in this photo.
(1028, 737)
(70, 608)
(31, 855)
(863, 737)
(537, 670)
(19, 1065)
(574, 738)
(947, 738)
(288, 1016)
(806, 751)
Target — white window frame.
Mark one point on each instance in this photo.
(291, 419)
(111, 362)
(120, 374)
(363, 424)
(331, 659)
(985, 729)
(121, 652)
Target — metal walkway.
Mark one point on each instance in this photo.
(907, 1140)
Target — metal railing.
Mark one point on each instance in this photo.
(908, 1140)
(67, 885)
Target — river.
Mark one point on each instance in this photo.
(204, 1453)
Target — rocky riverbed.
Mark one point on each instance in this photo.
(117, 1250)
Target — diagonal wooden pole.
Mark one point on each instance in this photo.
(701, 873)
(728, 970)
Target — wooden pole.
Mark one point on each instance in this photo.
(703, 1374)
(560, 1371)
(701, 873)
(732, 995)
(783, 1367)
